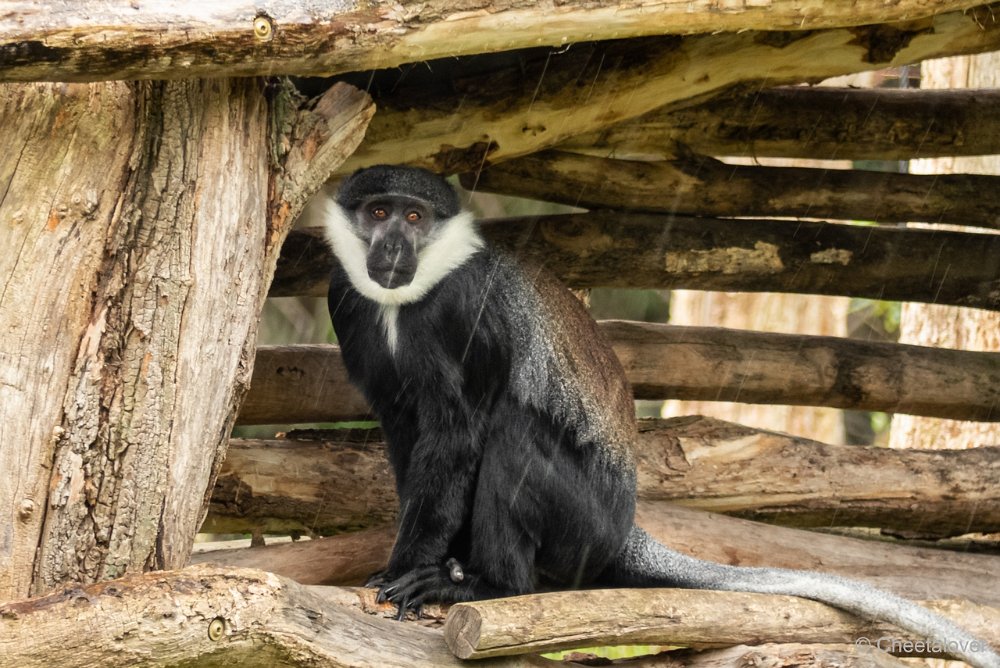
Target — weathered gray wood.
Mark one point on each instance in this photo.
(91, 40)
(666, 251)
(703, 186)
(143, 224)
(813, 122)
(296, 384)
(340, 480)
(788, 655)
(212, 617)
(563, 620)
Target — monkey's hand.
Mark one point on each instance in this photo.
(439, 583)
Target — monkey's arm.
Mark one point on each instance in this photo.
(436, 490)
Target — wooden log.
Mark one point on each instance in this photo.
(812, 122)
(92, 41)
(341, 480)
(563, 620)
(308, 383)
(717, 364)
(772, 655)
(133, 215)
(703, 186)
(501, 110)
(347, 559)
(667, 251)
(914, 572)
(205, 615)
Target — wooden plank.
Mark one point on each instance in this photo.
(93, 40)
(296, 384)
(669, 251)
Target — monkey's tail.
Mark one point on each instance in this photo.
(643, 562)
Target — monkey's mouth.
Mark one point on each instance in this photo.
(391, 277)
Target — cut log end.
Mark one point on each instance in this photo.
(463, 630)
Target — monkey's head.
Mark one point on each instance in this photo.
(397, 231)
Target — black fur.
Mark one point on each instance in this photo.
(388, 180)
(509, 425)
(482, 477)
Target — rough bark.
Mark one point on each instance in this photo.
(308, 383)
(332, 481)
(915, 572)
(347, 559)
(773, 655)
(668, 251)
(209, 617)
(814, 122)
(139, 211)
(546, 98)
(700, 185)
(92, 41)
(563, 620)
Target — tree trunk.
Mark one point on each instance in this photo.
(936, 325)
(145, 222)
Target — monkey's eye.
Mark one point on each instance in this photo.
(413, 216)
(379, 213)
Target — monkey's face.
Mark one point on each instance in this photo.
(394, 227)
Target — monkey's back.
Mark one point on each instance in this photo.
(563, 360)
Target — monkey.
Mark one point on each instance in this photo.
(509, 421)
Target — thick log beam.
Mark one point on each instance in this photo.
(133, 212)
(544, 99)
(817, 123)
(700, 185)
(914, 572)
(205, 615)
(665, 251)
(308, 383)
(563, 620)
(93, 41)
(341, 480)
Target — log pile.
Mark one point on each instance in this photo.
(619, 108)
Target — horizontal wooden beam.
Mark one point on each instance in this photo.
(813, 122)
(340, 480)
(717, 364)
(665, 251)
(703, 186)
(92, 40)
(563, 620)
(211, 616)
(308, 383)
(457, 121)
